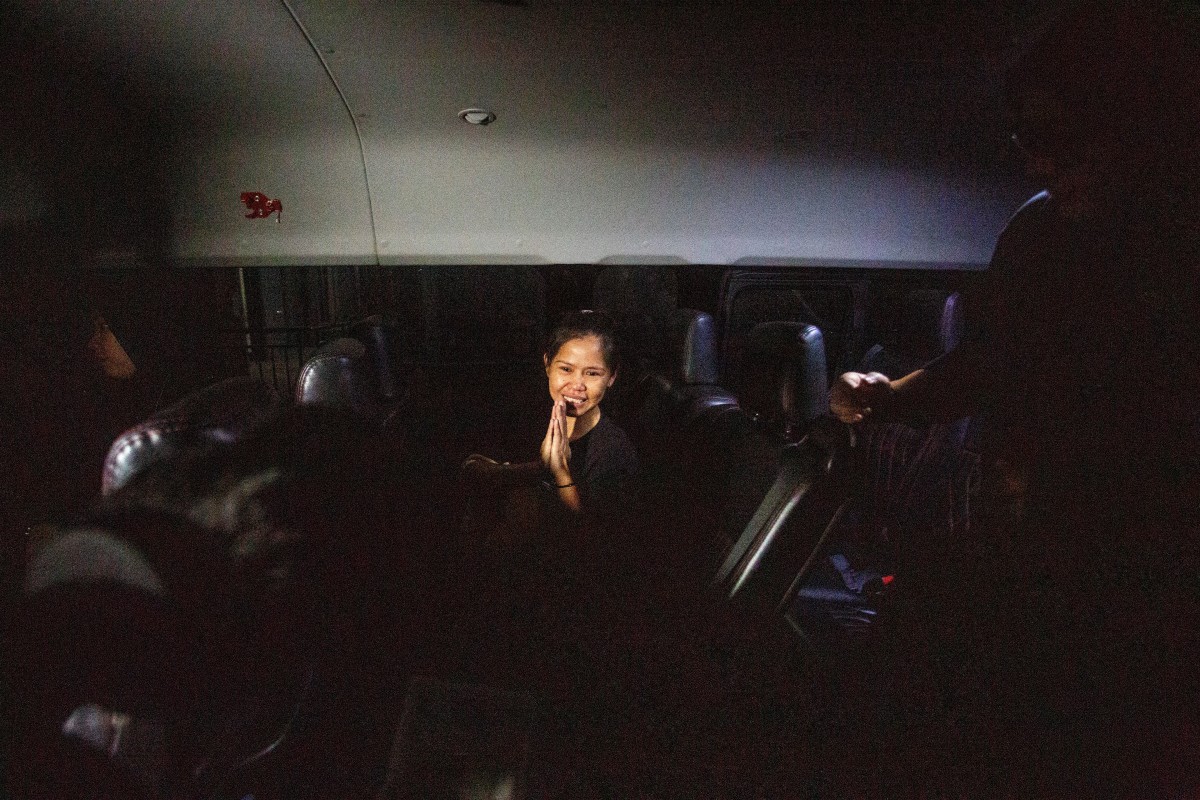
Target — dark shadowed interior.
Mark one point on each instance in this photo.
(265, 292)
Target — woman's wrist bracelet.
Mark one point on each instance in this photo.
(550, 485)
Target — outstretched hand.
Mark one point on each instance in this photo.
(855, 395)
(556, 447)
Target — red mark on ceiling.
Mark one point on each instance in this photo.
(261, 206)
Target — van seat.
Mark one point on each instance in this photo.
(930, 324)
(782, 381)
(693, 344)
(693, 440)
(339, 375)
(221, 413)
(379, 338)
(659, 401)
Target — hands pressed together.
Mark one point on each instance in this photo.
(556, 447)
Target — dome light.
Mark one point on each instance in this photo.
(477, 116)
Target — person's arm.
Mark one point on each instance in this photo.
(946, 389)
(959, 382)
(503, 473)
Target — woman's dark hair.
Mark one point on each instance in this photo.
(578, 324)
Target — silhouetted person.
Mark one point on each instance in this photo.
(67, 390)
(212, 596)
(1076, 614)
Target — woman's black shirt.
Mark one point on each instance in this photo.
(604, 467)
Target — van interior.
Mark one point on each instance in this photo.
(275, 268)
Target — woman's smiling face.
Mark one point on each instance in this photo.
(578, 375)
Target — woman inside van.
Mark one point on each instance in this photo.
(586, 462)
(546, 535)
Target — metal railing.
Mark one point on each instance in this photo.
(276, 355)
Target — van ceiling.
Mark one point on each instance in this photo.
(688, 132)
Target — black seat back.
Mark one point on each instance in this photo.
(782, 380)
(694, 366)
(661, 401)
(218, 414)
(930, 324)
(339, 375)
(693, 348)
(779, 545)
(379, 338)
(692, 438)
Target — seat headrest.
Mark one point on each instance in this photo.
(221, 413)
(695, 346)
(380, 340)
(930, 324)
(338, 375)
(783, 378)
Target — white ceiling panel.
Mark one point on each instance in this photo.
(697, 131)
